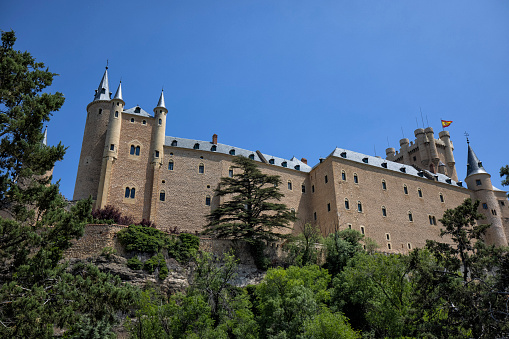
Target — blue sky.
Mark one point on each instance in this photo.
(289, 78)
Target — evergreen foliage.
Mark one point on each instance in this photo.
(37, 292)
(251, 211)
(302, 249)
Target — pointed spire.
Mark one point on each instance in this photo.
(161, 100)
(103, 91)
(118, 94)
(45, 138)
(474, 166)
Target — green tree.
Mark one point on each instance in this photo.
(374, 293)
(327, 325)
(302, 249)
(286, 299)
(251, 211)
(505, 171)
(36, 291)
(341, 247)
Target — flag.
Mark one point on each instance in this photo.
(446, 123)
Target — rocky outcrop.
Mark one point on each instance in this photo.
(178, 279)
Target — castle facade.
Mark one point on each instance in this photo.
(128, 161)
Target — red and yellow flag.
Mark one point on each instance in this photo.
(446, 123)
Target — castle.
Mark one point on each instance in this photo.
(127, 161)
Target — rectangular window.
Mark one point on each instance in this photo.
(303, 189)
(290, 185)
(116, 114)
(314, 215)
(362, 230)
(157, 154)
(313, 188)
(112, 147)
(485, 205)
(326, 179)
(389, 246)
(478, 182)
(207, 201)
(328, 207)
(170, 165)
(230, 173)
(343, 176)
(388, 236)
(162, 196)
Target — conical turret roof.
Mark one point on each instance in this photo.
(103, 91)
(45, 138)
(160, 103)
(474, 166)
(118, 93)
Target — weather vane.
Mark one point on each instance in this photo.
(467, 135)
(106, 63)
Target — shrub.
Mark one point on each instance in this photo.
(143, 239)
(184, 247)
(134, 263)
(111, 214)
(108, 252)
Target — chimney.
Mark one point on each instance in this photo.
(214, 139)
(304, 160)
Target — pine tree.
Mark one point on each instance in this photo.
(252, 211)
(36, 225)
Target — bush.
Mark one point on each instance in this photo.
(157, 261)
(143, 239)
(184, 247)
(111, 214)
(134, 263)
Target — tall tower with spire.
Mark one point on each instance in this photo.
(479, 182)
(94, 137)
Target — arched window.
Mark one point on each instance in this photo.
(196, 146)
(230, 172)
(359, 206)
(355, 178)
(410, 216)
(384, 211)
(132, 150)
(133, 192)
(174, 143)
(347, 204)
(162, 196)
(127, 192)
(170, 165)
(441, 197)
(160, 121)
(132, 119)
(419, 192)
(207, 200)
(137, 150)
(201, 169)
(384, 185)
(343, 175)
(116, 114)
(405, 189)
(289, 185)
(232, 152)
(100, 110)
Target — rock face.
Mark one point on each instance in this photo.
(178, 279)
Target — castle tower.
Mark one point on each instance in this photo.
(158, 136)
(478, 180)
(449, 157)
(111, 144)
(92, 146)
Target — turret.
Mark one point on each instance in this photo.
(421, 143)
(390, 152)
(478, 180)
(449, 157)
(403, 143)
(430, 136)
(159, 130)
(94, 138)
(111, 145)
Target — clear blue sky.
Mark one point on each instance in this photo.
(287, 77)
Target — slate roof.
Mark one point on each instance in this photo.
(137, 111)
(103, 91)
(293, 163)
(392, 166)
(474, 166)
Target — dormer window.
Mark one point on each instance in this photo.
(132, 120)
(174, 143)
(271, 161)
(384, 164)
(196, 146)
(297, 167)
(251, 156)
(365, 160)
(213, 148)
(284, 164)
(232, 152)
(137, 109)
(343, 154)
